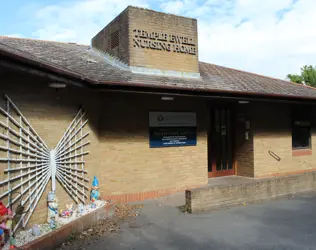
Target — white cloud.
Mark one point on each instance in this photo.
(178, 7)
(80, 21)
(263, 36)
(264, 44)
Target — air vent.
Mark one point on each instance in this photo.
(115, 40)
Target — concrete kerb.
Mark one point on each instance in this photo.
(62, 234)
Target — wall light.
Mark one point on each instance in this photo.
(243, 102)
(167, 98)
(57, 85)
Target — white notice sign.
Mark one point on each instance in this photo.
(172, 119)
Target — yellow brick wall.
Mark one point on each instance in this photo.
(50, 113)
(272, 132)
(152, 21)
(119, 151)
(102, 40)
(128, 165)
(244, 153)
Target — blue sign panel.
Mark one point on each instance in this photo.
(172, 136)
(170, 129)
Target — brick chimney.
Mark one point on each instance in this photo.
(150, 41)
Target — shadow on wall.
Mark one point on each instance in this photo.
(119, 148)
(50, 112)
(128, 114)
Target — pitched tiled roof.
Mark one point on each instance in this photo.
(84, 63)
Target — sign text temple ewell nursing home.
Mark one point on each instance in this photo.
(164, 42)
(168, 129)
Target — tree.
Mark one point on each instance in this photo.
(307, 76)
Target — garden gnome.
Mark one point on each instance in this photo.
(52, 204)
(94, 195)
(6, 217)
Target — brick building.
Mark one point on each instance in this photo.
(159, 120)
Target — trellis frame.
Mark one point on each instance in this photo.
(31, 164)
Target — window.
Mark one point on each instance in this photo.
(301, 135)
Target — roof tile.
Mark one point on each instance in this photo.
(79, 59)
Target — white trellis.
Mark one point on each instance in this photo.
(28, 164)
(69, 163)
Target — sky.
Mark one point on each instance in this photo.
(269, 37)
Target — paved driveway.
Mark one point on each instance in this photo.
(279, 224)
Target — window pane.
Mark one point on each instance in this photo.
(301, 137)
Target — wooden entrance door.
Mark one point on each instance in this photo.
(220, 146)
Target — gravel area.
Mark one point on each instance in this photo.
(25, 236)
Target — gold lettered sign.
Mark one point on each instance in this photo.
(164, 42)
